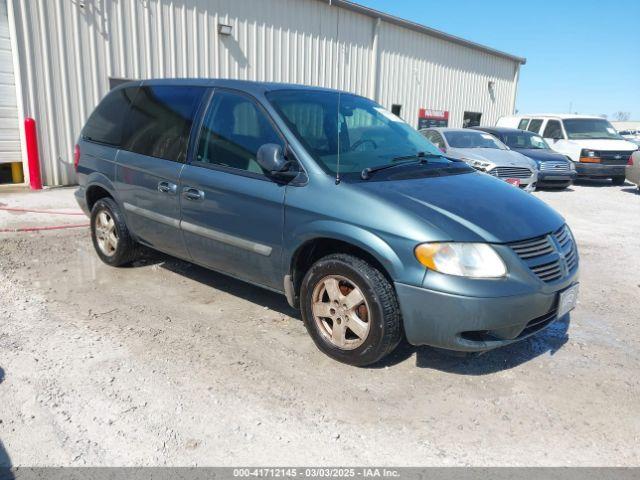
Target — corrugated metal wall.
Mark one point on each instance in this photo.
(9, 132)
(70, 48)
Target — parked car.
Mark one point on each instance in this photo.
(595, 147)
(633, 169)
(631, 135)
(486, 153)
(554, 169)
(331, 200)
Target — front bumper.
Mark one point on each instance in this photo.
(599, 170)
(551, 178)
(474, 324)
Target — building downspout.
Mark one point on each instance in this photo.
(374, 79)
(516, 78)
(17, 78)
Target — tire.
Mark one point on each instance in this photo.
(106, 218)
(380, 317)
(618, 180)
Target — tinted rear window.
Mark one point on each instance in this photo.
(105, 123)
(159, 122)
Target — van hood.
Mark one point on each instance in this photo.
(606, 145)
(472, 207)
(500, 158)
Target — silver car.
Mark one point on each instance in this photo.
(486, 153)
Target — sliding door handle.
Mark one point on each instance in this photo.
(167, 187)
(191, 193)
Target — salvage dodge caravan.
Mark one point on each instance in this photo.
(332, 200)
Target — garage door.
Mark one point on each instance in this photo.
(9, 133)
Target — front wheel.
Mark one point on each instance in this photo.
(350, 310)
(618, 180)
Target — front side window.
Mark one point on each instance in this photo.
(535, 125)
(473, 139)
(523, 124)
(234, 129)
(159, 122)
(524, 140)
(105, 123)
(590, 128)
(553, 130)
(348, 132)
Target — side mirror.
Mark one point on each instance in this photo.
(271, 158)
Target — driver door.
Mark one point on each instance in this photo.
(232, 213)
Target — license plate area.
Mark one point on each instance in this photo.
(567, 300)
(513, 181)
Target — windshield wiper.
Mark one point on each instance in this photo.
(396, 161)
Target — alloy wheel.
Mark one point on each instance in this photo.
(106, 233)
(341, 312)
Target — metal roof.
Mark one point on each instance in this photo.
(401, 22)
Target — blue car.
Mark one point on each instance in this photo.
(331, 200)
(554, 169)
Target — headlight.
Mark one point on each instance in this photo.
(589, 156)
(483, 166)
(475, 260)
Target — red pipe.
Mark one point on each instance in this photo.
(33, 158)
(38, 229)
(37, 210)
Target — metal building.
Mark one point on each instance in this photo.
(58, 58)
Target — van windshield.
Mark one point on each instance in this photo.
(590, 128)
(350, 129)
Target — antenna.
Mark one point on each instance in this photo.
(339, 77)
(339, 136)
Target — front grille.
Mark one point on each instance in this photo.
(550, 257)
(511, 172)
(615, 157)
(559, 167)
(533, 248)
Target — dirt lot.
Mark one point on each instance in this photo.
(166, 363)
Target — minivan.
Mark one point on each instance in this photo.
(595, 147)
(332, 200)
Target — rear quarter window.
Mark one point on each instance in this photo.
(105, 123)
(160, 120)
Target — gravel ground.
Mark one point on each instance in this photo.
(166, 363)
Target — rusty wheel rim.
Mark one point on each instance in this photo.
(341, 312)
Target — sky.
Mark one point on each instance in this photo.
(582, 55)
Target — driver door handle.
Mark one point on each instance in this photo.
(191, 193)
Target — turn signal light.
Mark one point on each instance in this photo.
(589, 160)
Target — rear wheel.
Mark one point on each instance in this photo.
(618, 180)
(350, 310)
(110, 235)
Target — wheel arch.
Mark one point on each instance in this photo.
(98, 186)
(346, 239)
